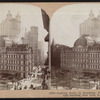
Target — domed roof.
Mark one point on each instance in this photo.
(84, 41)
(81, 41)
(2, 42)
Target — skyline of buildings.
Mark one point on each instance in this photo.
(19, 53)
(11, 28)
(77, 66)
(85, 52)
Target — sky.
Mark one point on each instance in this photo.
(30, 16)
(66, 20)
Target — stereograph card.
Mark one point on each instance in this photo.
(49, 50)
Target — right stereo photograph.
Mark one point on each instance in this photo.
(75, 47)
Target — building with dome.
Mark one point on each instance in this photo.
(11, 26)
(85, 54)
(15, 59)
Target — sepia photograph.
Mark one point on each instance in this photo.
(23, 48)
(49, 50)
(75, 47)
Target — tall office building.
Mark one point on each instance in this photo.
(91, 26)
(11, 26)
(31, 38)
(41, 52)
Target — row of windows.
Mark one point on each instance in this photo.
(94, 60)
(16, 68)
(13, 56)
(87, 67)
(76, 55)
(94, 55)
(81, 50)
(16, 56)
(9, 68)
(81, 55)
(14, 62)
(12, 68)
(19, 50)
(75, 49)
(88, 60)
(81, 66)
(23, 62)
(71, 59)
(81, 60)
(94, 66)
(65, 60)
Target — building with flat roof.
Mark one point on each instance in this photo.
(31, 38)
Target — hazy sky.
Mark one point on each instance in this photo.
(66, 20)
(30, 16)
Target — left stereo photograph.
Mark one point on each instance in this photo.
(24, 46)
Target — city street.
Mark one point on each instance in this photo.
(32, 82)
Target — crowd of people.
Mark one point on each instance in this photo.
(40, 73)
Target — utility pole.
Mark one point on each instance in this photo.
(49, 51)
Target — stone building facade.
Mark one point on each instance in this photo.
(16, 59)
(84, 55)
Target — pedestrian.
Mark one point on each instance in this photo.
(39, 69)
(31, 86)
(15, 88)
(97, 87)
(20, 88)
(43, 83)
(25, 87)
